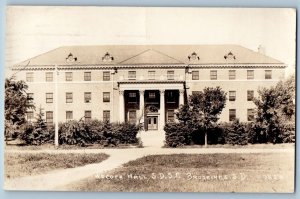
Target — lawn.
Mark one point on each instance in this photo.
(19, 164)
(260, 172)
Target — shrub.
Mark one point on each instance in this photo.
(177, 134)
(275, 133)
(11, 131)
(235, 133)
(34, 135)
(217, 134)
(288, 136)
(73, 132)
(82, 133)
(97, 132)
(125, 133)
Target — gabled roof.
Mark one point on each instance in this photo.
(150, 54)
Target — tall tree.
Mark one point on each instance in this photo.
(16, 105)
(208, 105)
(275, 109)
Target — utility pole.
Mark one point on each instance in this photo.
(56, 107)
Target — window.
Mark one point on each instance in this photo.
(250, 95)
(250, 114)
(132, 97)
(106, 116)
(170, 115)
(170, 75)
(49, 76)
(49, 97)
(87, 115)
(49, 117)
(170, 97)
(69, 97)
(195, 75)
(87, 76)
(131, 74)
(268, 74)
(231, 74)
(151, 75)
(30, 116)
(29, 77)
(232, 95)
(151, 95)
(87, 97)
(69, 76)
(132, 116)
(232, 114)
(69, 115)
(213, 75)
(106, 76)
(250, 74)
(30, 98)
(106, 97)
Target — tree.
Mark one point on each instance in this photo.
(207, 105)
(40, 123)
(38, 133)
(16, 105)
(275, 110)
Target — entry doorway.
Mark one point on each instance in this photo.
(152, 122)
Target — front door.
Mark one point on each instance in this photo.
(152, 123)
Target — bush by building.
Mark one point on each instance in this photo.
(83, 133)
(236, 133)
(97, 132)
(177, 134)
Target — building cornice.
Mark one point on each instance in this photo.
(139, 66)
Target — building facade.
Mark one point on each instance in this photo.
(143, 84)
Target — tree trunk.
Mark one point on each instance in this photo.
(205, 139)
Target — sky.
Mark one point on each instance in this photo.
(34, 30)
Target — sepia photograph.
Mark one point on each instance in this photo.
(150, 99)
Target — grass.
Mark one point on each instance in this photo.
(64, 147)
(19, 164)
(248, 146)
(259, 172)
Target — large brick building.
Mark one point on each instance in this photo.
(143, 83)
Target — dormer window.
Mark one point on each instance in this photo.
(107, 57)
(193, 56)
(229, 56)
(71, 58)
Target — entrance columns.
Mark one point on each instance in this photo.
(142, 106)
(121, 106)
(162, 110)
(181, 97)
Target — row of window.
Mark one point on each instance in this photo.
(69, 97)
(232, 95)
(132, 97)
(68, 76)
(151, 75)
(69, 116)
(231, 74)
(132, 115)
